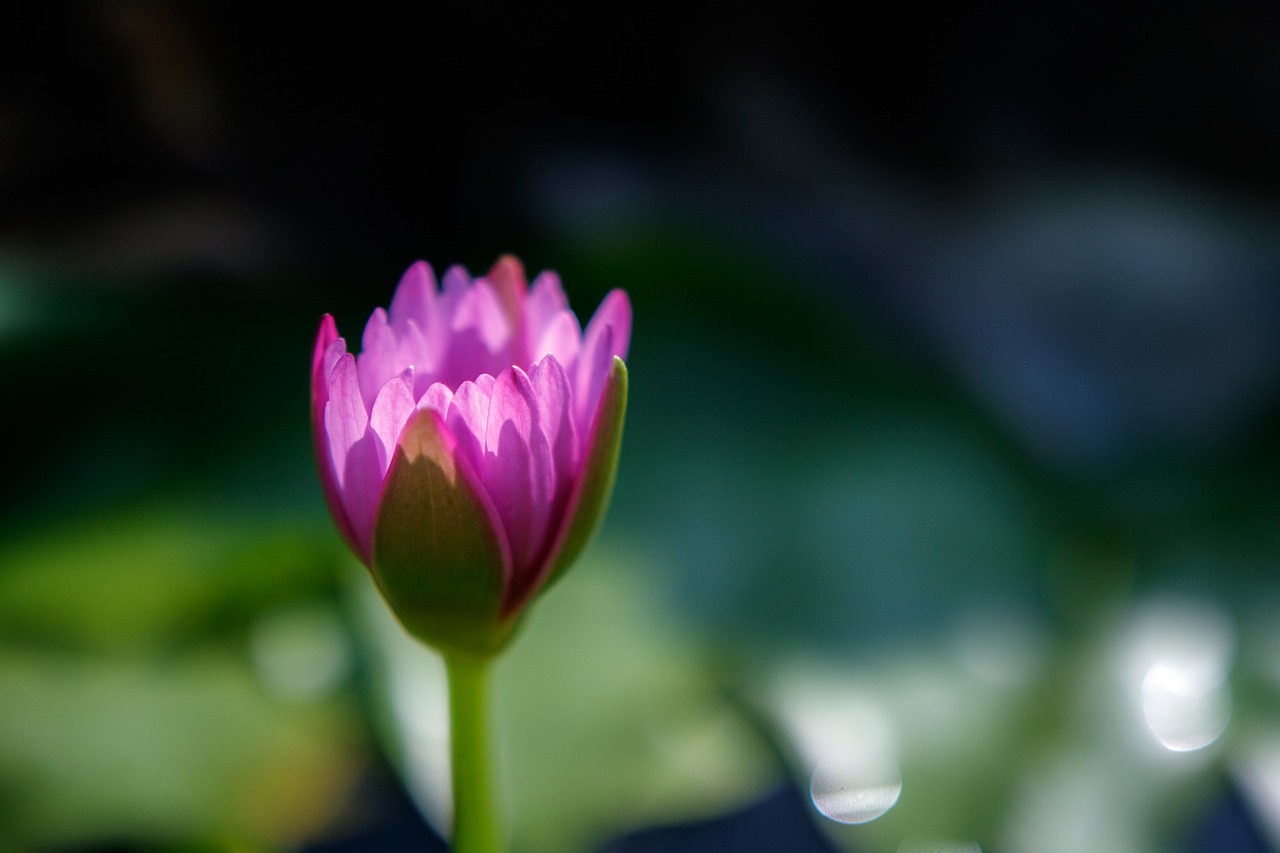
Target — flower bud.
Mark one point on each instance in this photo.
(468, 453)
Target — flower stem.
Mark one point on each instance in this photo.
(475, 814)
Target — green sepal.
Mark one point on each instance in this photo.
(588, 505)
(439, 557)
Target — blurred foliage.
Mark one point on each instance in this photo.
(133, 708)
(604, 677)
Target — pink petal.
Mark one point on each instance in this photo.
(328, 349)
(353, 454)
(478, 337)
(467, 419)
(555, 417)
(545, 301)
(561, 338)
(391, 411)
(437, 399)
(415, 297)
(422, 350)
(615, 312)
(480, 309)
(329, 360)
(508, 281)
(380, 357)
(608, 334)
(325, 336)
(345, 418)
(361, 489)
(456, 283)
(518, 470)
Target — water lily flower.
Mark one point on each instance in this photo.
(468, 452)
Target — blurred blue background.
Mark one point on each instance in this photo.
(947, 513)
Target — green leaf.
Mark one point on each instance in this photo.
(603, 674)
(439, 558)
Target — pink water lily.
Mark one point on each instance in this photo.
(468, 452)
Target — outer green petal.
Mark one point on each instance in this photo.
(439, 554)
(589, 502)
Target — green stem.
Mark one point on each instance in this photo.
(475, 814)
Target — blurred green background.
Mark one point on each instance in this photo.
(947, 512)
